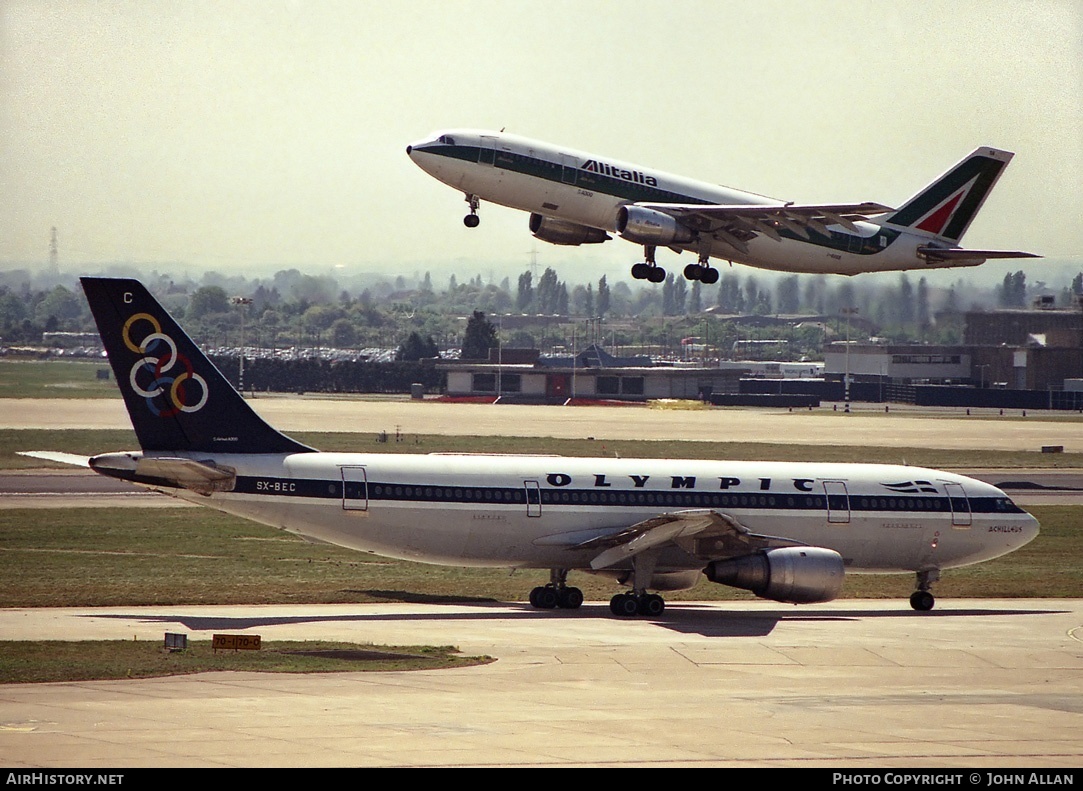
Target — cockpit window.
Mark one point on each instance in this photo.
(447, 140)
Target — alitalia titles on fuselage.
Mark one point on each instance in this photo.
(594, 166)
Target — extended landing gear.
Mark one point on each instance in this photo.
(648, 269)
(627, 605)
(639, 602)
(471, 220)
(702, 271)
(921, 599)
(557, 593)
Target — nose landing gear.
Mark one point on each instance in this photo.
(471, 220)
(922, 599)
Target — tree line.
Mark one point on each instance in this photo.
(293, 309)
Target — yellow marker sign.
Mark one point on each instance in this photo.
(235, 642)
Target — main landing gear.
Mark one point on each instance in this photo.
(557, 593)
(921, 599)
(628, 605)
(638, 601)
(648, 269)
(471, 220)
(702, 271)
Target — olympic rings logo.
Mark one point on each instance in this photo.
(169, 371)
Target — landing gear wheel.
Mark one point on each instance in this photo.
(624, 605)
(544, 598)
(651, 604)
(570, 599)
(922, 601)
(693, 272)
(702, 271)
(471, 220)
(647, 271)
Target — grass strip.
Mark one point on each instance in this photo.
(98, 557)
(59, 660)
(92, 441)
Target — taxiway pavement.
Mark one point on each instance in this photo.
(927, 428)
(974, 683)
(872, 684)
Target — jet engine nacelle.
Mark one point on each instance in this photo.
(556, 231)
(796, 575)
(648, 226)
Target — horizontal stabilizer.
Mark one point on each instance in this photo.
(199, 476)
(188, 474)
(57, 456)
(960, 254)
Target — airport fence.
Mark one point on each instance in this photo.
(331, 376)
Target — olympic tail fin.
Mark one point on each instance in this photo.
(176, 399)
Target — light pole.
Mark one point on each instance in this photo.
(573, 362)
(241, 302)
(848, 313)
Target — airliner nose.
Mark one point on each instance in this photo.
(1032, 530)
(408, 150)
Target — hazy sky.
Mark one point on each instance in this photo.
(237, 135)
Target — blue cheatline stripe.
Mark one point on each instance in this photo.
(511, 495)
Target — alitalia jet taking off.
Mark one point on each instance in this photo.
(786, 532)
(576, 198)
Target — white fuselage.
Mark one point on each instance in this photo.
(533, 511)
(581, 188)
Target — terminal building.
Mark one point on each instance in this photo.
(523, 375)
(1037, 355)
(1009, 358)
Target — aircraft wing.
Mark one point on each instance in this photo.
(955, 254)
(700, 532)
(738, 223)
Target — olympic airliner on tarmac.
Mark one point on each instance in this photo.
(786, 532)
(577, 198)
